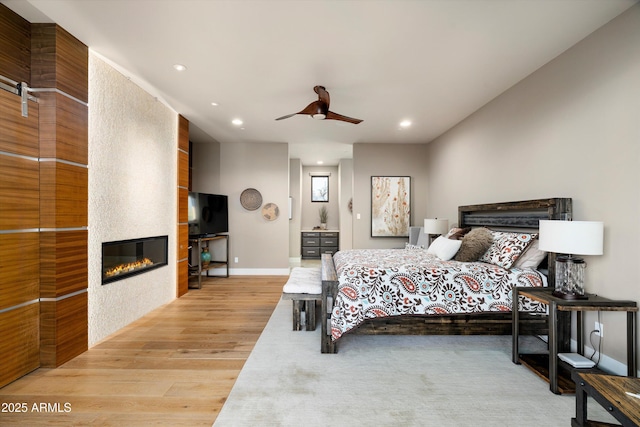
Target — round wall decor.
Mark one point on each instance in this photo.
(270, 211)
(251, 199)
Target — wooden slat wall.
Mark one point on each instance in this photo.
(59, 62)
(19, 208)
(19, 343)
(15, 46)
(183, 193)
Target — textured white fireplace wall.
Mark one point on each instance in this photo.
(132, 193)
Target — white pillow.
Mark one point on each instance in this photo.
(444, 248)
(531, 258)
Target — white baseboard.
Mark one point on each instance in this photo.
(251, 271)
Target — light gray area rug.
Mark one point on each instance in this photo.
(389, 381)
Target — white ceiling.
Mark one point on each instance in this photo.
(431, 61)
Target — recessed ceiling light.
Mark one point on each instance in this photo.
(215, 104)
(320, 162)
(405, 123)
(236, 122)
(179, 67)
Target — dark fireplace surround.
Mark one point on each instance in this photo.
(126, 258)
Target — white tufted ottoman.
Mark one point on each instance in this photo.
(304, 284)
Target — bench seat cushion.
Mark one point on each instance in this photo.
(304, 281)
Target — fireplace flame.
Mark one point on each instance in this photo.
(128, 267)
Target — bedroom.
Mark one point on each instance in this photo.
(573, 124)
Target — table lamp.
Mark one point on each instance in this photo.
(436, 227)
(569, 238)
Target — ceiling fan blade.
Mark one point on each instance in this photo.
(335, 116)
(316, 107)
(323, 95)
(286, 117)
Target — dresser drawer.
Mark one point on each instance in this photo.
(328, 241)
(329, 234)
(310, 252)
(310, 234)
(329, 250)
(310, 241)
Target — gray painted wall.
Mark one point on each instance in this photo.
(571, 129)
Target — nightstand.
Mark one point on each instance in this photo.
(559, 335)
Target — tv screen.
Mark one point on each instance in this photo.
(208, 214)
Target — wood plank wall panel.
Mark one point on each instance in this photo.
(56, 61)
(19, 193)
(15, 46)
(18, 135)
(63, 262)
(183, 169)
(19, 344)
(19, 268)
(19, 208)
(64, 329)
(183, 133)
(183, 238)
(60, 62)
(63, 195)
(183, 278)
(183, 206)
(64, 128)
(182, 270)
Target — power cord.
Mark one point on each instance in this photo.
(599, 350)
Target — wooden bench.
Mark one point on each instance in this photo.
(304, 288)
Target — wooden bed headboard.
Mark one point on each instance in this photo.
(518, 215)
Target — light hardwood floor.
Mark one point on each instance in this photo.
(174, 367)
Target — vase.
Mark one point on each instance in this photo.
(205, 257)
(323, 226)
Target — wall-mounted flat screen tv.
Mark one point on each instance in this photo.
(208, 214)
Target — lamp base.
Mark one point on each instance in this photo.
(569, 296)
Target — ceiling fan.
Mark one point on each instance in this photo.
(320, 109)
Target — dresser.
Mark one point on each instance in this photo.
(318, 242)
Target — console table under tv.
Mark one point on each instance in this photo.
(195, 260)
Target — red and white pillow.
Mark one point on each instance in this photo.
(507, 248)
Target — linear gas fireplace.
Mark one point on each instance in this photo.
(126, 258)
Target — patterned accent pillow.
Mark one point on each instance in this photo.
(507, 247)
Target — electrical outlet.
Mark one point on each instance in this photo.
(235, 260)
(599, 328)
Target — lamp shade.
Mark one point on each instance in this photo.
(571, 237)
(436, 226)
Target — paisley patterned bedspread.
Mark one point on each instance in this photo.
(392, 282)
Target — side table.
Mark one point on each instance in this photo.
(559, 339)
(610, 392)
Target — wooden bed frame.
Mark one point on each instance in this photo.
(523, 215)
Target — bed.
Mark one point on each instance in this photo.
(409, 291)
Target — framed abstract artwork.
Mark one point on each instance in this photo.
(390, 206)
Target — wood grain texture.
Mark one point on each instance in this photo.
(19, 344)
(183, 169)
(15, 46)
(63, 330)
(183, 133)
(18, 135)
(63, 195)
(19, 193)
(173, 367)
(183, 206)
(19, 268)
(183, 241)
(63, 262)
(63, 128)
(59, 60)
(183, 278)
